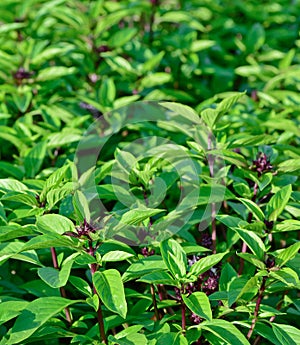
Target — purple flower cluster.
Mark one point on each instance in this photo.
(206, 240)
(147, 252)
(22, 74)
(208, 281)
(262, 164)
(195, 319)
(83, 230)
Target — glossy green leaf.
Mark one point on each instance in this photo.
(286, 334)
(198, 303)
(278, 202)
(205, 264)
(225, 331)
(110, 288)
(54, 277)
(34, 159)
(136, 216)
(174, 257)
(81, 206)
(253, 208)
(253, 241)
(54, 223)
(144, 266)
(81, 285)
(37, 313)
(11, 309)
(287, 254)
(116, 255)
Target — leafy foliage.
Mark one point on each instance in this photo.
(172, 220)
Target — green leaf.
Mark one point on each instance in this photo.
(289, 165)
(11, 26)
(81, 206)
(27, 199)
(227, 103)
(54, 180)
(158, 277)
(253, 241)
(278, 202)
(138, 215)
(144, 266)
(265, 180)
(93, 301)
(111, 291)
(9, 184)
(253, 208)
(287, 276)
(253, 260)
(57, 278)
(209, 116)
(156, 79)
(198, 303)
(11, 309)
(287, 225)
(225, 331)
(34, 159)
(266, 332)
(47, 241)
(9, 232)
(50, 73)
(107, 92)
(54, 223)
(62, 139)
(227, 275)
(116, 255)
(205, 264)
(202, 44)
(171, 338)
(81, 285)
(286, 334)
(255, 38)
(11, 170)
(22, 100)
(174, 257)
(35, 315)
(121, 37)
(287, 254)
(57, 194)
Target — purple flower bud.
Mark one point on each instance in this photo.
(195, 319)
(103, 49)
(270, 262)
(269, 224)
(22, 73)
(206, 241)
(85, 229)
(146, 252)
(261, 164)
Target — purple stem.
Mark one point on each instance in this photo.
(61, 289)
(258, 303)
